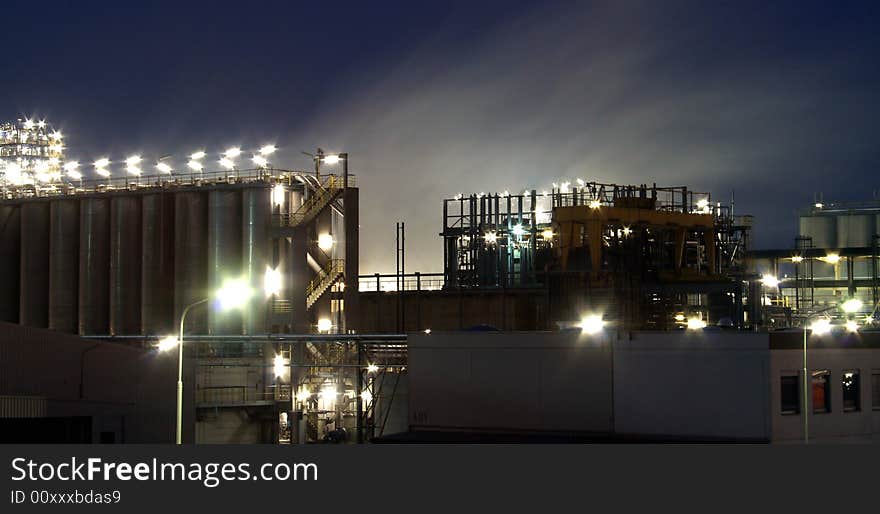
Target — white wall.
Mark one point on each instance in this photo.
(692, 384)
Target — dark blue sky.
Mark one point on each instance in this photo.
(775, 101)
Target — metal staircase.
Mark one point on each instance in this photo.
(332, 272)
(325, 192)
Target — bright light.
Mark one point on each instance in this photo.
(259, 160)
(226, 163)
(325, 242)
(592, 324)
(167, 343)
(796, 259)
(821, 326)
(164, 168)
(695, 324)
(547, 234)
(133, 170)
(491, 237)
(194, 165)
(53, 161)
(366, 396)
(70, 166)
(57, 135)
(580, 181)
(234, 294)
(819, 206)
(270, 149)
(272, 281)
(278, 194)
(134, 160)
(428, 331)
(852, 305)
(703, 204)
(595, 204)
(232, 153)
(372, 368)
(852, 326)
(518, 230)
(329, 159)
(198, 155)
(324, 325)
(28, 124)
(103, 172)
(102, 163)
(832, 258)
(679, 317)
(626, 231)
(279, 366)
(770, 281)
(328, 393)
(75, 175)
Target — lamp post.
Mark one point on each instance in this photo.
(820, 327)
(233, 294)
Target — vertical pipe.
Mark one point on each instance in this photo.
(190, 257)
(10, 261)
(255, 246)
(34, 281)
(63, 265)
(125, 265)
(157, 270)
(94, 263)
(224, 254)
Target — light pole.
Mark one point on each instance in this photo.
(233, 294)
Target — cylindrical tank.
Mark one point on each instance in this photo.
(256, 208)
(10, 261)
(822, 228)
(63, 265)
(224, 255)
(157, 271)
(34, 298)
(190, 256)
(94, 264)
(125, 264)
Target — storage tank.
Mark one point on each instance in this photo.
(822, 228)
(190, 256)
(10, 261)
(224, 254)
(63, 265)
(34, 280)
(94, 265)
(125, 264)
(157, 270)
(256, 209)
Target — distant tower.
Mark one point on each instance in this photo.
(31, 153)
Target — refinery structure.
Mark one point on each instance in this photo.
(251, 273)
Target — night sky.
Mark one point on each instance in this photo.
(772, 101)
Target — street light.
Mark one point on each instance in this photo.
(233, 294)
(592, 324)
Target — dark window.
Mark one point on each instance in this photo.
(790, 394)
(821, 391)
(850, 385)
(875, 389)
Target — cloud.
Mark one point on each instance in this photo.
(611, 93)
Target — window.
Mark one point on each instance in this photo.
(789, 390)
(821, 391)
(875, 389)
(850, 386)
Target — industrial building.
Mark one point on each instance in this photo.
(590, 311)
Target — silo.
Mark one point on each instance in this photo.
(125, 264)
(224, 254)
(94, 264)
(10, 263)
(190, 256)
(34, 283)
(854, 230)
(256, 208)
(63, 265)
(822, 228)
(157, 271)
